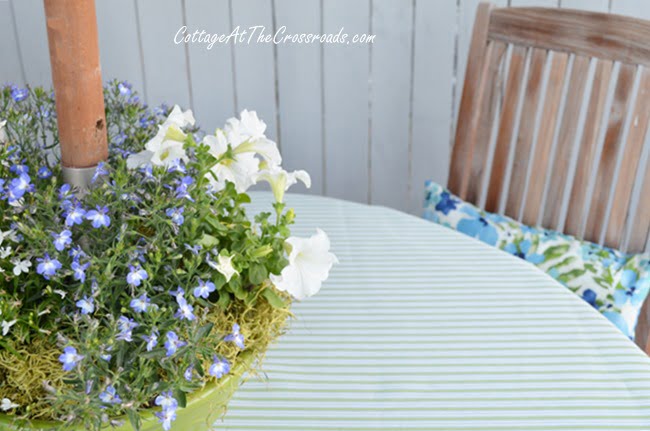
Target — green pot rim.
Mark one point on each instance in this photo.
(226, 385)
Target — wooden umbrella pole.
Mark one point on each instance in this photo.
(77, 78)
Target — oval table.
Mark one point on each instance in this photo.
(422, 328)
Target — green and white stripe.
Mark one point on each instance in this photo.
(422, 328)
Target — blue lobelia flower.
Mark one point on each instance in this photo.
(126, 327)
(166, 417)
(188, 373)
(19, 169)
(219, 368)
(173, 343)
(477, 226)
(100, 171)
(65, 192)
(235, 337)
(99, 217)
(204, 289)
(185, 310)
(62, 240)
(446, 203)
(86, 305)
(152, 340)
(47, 267)
(74, 215)
(19, 94)
(177, 165)
(181, 191)
(125, 88)
(18, 187)
(522, 251)
(176, 214)
(110, 396)
(44, 173)
(70, 358)
(141, 303)
(136, 275)
(194, 249)
(79, 271)
(631, 288)
(166, 401)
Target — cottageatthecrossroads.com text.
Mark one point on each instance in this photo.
(260, 34)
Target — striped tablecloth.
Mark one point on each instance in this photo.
(422, 328)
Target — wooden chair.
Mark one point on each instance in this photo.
(553, 121)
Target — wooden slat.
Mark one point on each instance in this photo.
(390, 103)
(641, 220)
(469, 113)
(591, 34)
(299, 79)
(526, 133)
(541, 155)
(615, 232)
(433, 70)
(609, 154)
(120, 50)
(345, 95)
(10, 71)
(568, 128)
(509, 111)
(588, 147)
(211, 70)
(254, 63)
(165, 68)
(486, 122)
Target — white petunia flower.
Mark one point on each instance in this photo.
(3, 132)
(225, 267)
(280, 180)
(167, 146)
(240, 170)
(6, 404)
(180, 118)
(309, 264)
(6, 326)
(247, 135)
(167, 153)
(21, 266)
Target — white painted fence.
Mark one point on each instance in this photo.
(370, 122)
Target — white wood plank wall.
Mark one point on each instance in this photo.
(369, 122)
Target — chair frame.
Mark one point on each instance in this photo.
(507, 120)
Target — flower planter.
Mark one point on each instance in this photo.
(203, 408)
(141, 299)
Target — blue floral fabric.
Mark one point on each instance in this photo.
(614, 283)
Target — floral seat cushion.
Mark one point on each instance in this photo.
(614, 283)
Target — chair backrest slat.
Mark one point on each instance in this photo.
(640, 221)
(609, 155)
(543, 147)
(633, 151)
(588, 147)
(526, 132)
(568, 129)
(506, 127)
(550, 130)
(484, 128)
(470, 102)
